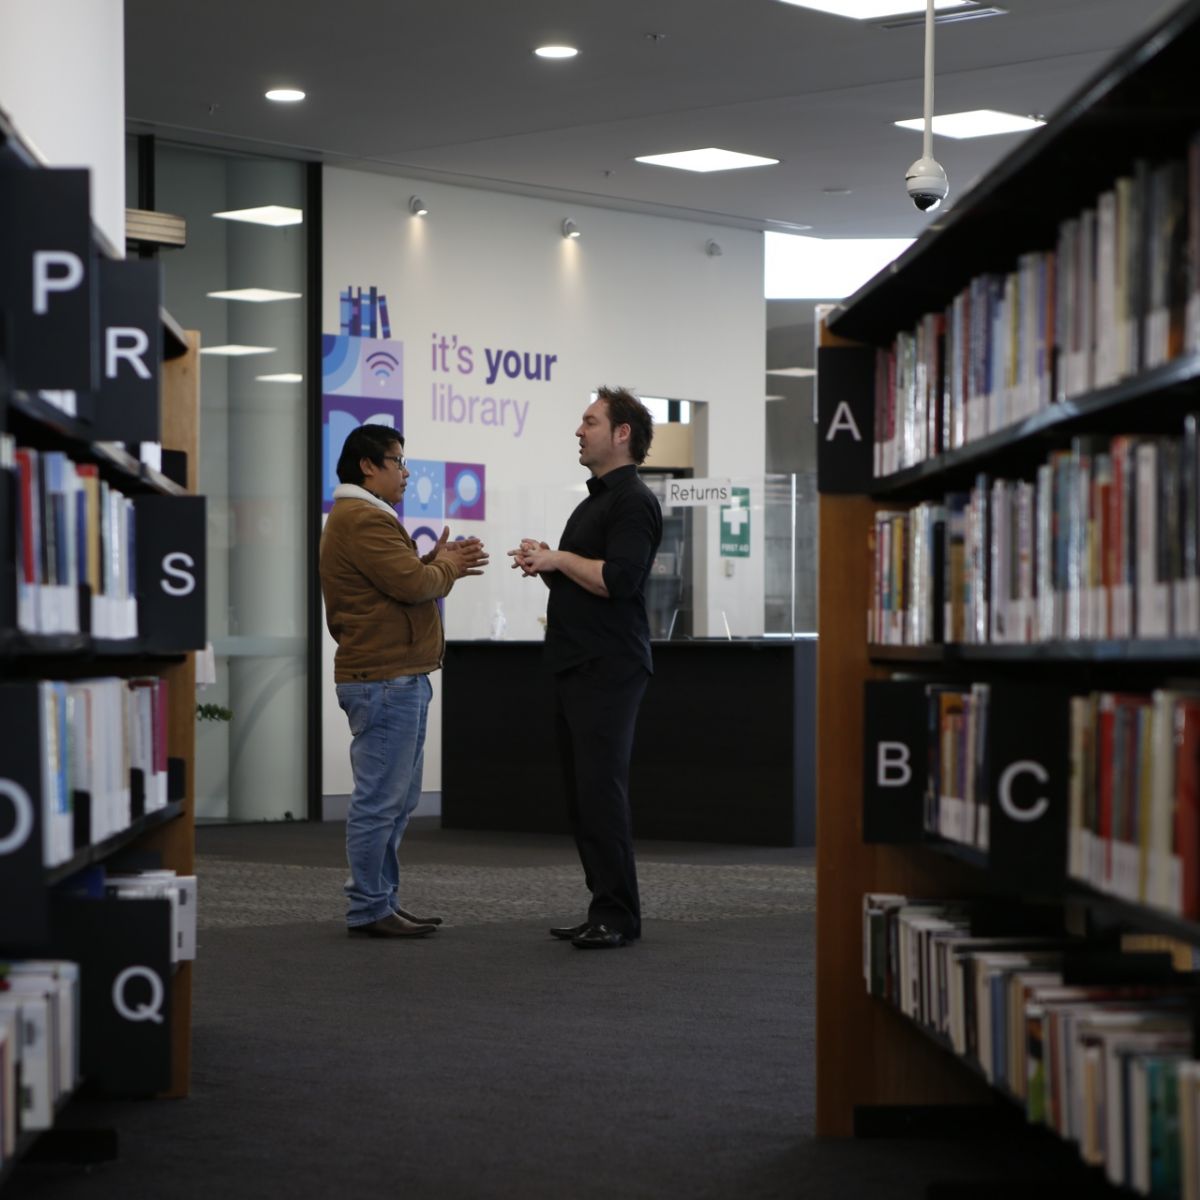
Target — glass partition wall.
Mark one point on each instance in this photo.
(241, 281)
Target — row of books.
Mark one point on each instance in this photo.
(1103, 543)
(1107, 1066)
(1118, 293)
(1134, 810)
(93, 734)
(71, 528)
(164, 884)
(39, 1045)
(1133, 801)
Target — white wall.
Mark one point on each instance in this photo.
(634, 302)
(62, 81)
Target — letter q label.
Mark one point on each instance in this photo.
(149, 1011)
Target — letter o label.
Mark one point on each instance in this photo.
(18, 797)
(1024, 766)
(512, 368)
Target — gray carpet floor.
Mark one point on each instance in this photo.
(489, 1060)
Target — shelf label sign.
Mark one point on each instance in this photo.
(894, 734)
(22, 824)
(735, 524)
(149, 1009)
(845, 420)
(131, 351)
(697, 493)
(171, 564)
(48, 279)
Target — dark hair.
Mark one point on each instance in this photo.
(367, 441)
(624, 408)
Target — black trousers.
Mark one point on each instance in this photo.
(597, 705)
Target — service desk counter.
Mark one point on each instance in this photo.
(725, 747)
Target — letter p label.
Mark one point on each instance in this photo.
(54, 271)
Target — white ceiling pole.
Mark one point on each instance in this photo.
(929, 23)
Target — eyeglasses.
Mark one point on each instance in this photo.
(398, 459)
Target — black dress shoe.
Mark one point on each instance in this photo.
(567, 932)
(599, 937)
(407, 916)
(391, 926)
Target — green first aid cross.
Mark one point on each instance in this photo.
(735, 525)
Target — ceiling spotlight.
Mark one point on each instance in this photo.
(417, 206)
(285, 95)
(713, 248)
(556, 52)
(570, 229)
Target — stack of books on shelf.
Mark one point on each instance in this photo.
(1106, 1064)
(102, 756)
(1119, 293)
(39, 1045)
(1103, 543)
(71, 529)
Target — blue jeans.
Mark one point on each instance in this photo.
(387, 722)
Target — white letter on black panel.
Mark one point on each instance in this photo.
(137, 343)
(1039, 807)
(44, 283)
(893, 760)
(182, 582)
(843, 421)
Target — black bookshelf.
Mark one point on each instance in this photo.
(1164, 652)
(1121, 408)
(1142, 104)
(99, 851)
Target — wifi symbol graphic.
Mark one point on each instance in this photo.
(382, 365)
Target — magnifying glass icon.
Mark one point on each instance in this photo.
(466, 490)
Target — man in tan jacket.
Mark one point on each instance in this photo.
(381, 608)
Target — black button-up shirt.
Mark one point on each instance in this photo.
(621, 523)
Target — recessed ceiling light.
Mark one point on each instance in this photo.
(233, 350)
(255, 295)
(797, 268)
(793, 372)
(268, 214)
(871, 10)
(283, 377)
(285, 95)
(981, 122)
(556, 52)
(708, 159)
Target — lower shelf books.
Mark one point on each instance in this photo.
(1097, 1046)
(39, 1045)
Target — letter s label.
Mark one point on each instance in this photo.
(181, 582)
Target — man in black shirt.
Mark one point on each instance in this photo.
(598, 647)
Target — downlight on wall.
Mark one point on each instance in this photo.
(417, 206)
(570, 230)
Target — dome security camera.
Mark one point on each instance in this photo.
(927, 183)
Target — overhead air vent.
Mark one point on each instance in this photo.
(950, 17)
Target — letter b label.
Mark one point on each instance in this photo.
(892, 765)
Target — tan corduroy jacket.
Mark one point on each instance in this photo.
(380, 598)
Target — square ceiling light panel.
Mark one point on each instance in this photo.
(709, 159)
(266, 214)
(873, 10)
(979, 122)
(254, 295)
